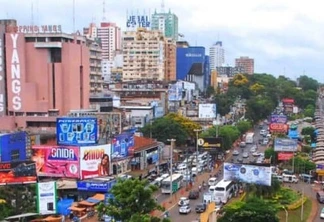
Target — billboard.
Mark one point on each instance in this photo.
(207, 111)
(248, 173)
(19, 172)
(278, 127)
(121, 144)
(285, 145)
(76, 131)
(2, 72)
(46, 197)
(210, 143)
(13, 147)
(138, 21)
(56, 161)
(95, 185)
(278, 119)
(285, 156)
(174, 92)
(186, 58)
(95, 161)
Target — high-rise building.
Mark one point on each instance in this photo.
(217, 55)
(46, 75)
(96, 79)
(246, 63)
(167, 23)
(170, 60)
(143, 55)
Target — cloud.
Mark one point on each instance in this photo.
(276, 33)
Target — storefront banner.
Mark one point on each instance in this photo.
(19, 172)
(46, 197)
(95, 161)
(96, 186)
(56, 161)
(285, 156)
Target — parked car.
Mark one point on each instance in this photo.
(183, 201)
(236, 153)
(200, 208)
(193, 194)
(245, 155)
(184, 209)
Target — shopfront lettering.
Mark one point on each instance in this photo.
(5, 166)
(93, 154)
(15, 75)
(34, 29)
(62, 153)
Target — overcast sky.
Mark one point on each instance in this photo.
(285, 37)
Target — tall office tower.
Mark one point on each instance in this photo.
(144, 52)
(167, 23)
(246, 63)
(217, 55)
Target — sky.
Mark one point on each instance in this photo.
(283, 37)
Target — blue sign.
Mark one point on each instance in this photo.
(285, 145)
(319, 166)
(76, 131)
(121, 145)
(187, 58)
(278, 119)
(13, 147)
(141, 21)
(96, 186)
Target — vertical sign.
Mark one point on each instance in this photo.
(2, 72)
(46, 197)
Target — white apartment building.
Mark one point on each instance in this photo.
(143, 55)
(216, 55)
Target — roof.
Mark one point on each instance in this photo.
(143, 143)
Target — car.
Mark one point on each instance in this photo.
(196, 170)
(242, 144)
(245, 155)
(186, 209)
(200, 208)
(256, 154)
(212, 181)
(322, 213)
(183, 201)
(240, 160)
(253, 149)
(236, 153)
(193, 194)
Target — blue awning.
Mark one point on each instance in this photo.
(92, 200)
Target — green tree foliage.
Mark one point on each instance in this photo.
(261, 191)
(270, 153)
(307, 83)
(133, 201)
(224, 102)
(253, 210)
(165, 128)
(210, 91)
(309, 111)
(302, 165)
(308, 131)
(259, 107)
(243, 126)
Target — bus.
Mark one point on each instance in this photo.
(224, 190)
(176, 183)
(249, 139)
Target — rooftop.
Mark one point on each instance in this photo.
(143, 143)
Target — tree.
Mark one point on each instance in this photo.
(253, 210)
(165, 128)
(188, 125)
(270, 153)
(308, 131)
(257, 88)
(210, 91)
(243, 126)
(307, 83)
(133, 201)
(309, 111)
(224, 103)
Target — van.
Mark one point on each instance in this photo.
(212, 181)
(307, 178)
(320, 196)
(289, 178)
(277, 177)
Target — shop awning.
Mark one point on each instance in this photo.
(78, 209)
(92, 200)
(86, 203)
(98, 196)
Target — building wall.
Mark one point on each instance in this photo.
(170, 60)
(217, 55)
(186, 57)
(247, 64)
(167, 23)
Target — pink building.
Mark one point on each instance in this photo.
(47, 75)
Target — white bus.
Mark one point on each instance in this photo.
(224, 190)
(176, 183)
(249, 139)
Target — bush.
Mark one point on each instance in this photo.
(297, 204)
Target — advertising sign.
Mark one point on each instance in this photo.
(56, 161)
(95, 161)
(174, 92)
(13, 147)
(96, 186)
(34, 29)
(76, 131)
(285, 145)
(207, 111)
(210, 143)
(46, 198)
(288, 101)
(2, 73)
(278, 127)
(248, 173)
(19, 172)
(278, 119)
(138, 21)
(121, 144)
(285, 156)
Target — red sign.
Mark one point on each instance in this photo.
(17, 172)
(278, 127)
(285, 156)
(287, 100)
(34, 29)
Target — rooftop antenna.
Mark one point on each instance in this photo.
(162, 6)
(73, 16)
(103, 10)
(32, 13)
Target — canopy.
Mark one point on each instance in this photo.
(99, 196)
(86, 203)
(92, 200)
(79, 209)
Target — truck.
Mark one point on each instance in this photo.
(249, 139)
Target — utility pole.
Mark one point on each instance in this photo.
(197, 131)
(171, 163)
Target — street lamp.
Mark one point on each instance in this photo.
(172, 141)
(286, 213)
(197, 132)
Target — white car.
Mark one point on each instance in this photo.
(256, 154)
(184, 209)
(212, 181)
(245, 155)
(236, 153)
(253, 149)
(196, 170)
(322, 213)
(183, 201)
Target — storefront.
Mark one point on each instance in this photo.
(121, 166)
